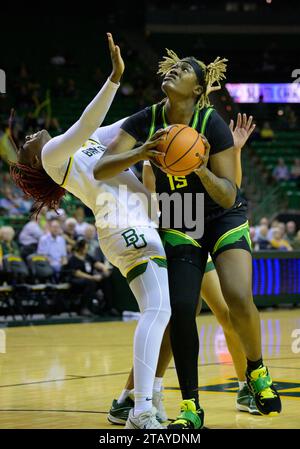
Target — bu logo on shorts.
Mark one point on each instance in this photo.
(132, 238)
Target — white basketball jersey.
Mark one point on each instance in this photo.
(117, 203)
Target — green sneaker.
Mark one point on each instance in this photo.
(266, 396)
(190, 417)
(119, 413)
(245, 401)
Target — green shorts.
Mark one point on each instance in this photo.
(230, 231)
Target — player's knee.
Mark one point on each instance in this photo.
(165, 316)
(240, 302)
(182, 311)
(165, 313)
(160, 314)
(223, 317)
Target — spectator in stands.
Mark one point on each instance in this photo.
(53, 246)
(102, 266)
(281, 171)
(263, 221)
(84, 279)
(29, 236)
(262, 241)
(266, 132)
(278, 242)
(12, 203)
(274, 225)
(90, 236)
(291, 231)
(8, 245)
(69, 233)
(296, 242)
(59, 215)
(79, 216)
(295, 170)
(282, 228)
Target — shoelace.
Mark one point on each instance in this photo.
(266, 393)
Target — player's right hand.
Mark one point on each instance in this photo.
(116, 59)
(149, 149)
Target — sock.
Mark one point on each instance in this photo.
(251, 366)
(242, 384)
(123, 396)
(142, 403)
(157, 386)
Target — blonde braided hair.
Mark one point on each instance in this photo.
(213, 73)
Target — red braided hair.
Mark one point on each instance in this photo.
(35, 183)
(38, 185)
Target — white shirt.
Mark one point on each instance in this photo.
(30, 233)
(54, 248)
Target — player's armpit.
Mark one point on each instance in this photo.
(121, 143)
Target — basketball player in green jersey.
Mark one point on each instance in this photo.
(226, 232)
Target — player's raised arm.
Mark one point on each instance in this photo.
(61, 147)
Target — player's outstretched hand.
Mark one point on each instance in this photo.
(116, 60)
(242, 131)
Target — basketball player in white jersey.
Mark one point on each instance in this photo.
(47, 167)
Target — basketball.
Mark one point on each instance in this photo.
(181, 147)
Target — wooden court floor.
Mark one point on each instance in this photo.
(65, 376)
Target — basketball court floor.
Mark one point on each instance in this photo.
(65, 376)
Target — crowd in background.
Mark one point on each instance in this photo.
(275, 235)
(72, 249)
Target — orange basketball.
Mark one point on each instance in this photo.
(181, 147)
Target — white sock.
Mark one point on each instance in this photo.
(151, 290)
(242, 384)
(123, 396)
(157, 386)
(142, 403)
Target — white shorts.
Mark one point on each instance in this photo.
(129, 247)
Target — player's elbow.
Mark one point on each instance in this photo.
(228, 203)
(229, 198)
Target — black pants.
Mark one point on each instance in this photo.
(185, 269)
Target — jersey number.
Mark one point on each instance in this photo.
(177, 182)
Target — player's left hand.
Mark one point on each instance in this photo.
(204, 158)
(116, 59)
(242, 131)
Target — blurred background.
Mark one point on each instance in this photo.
(56, 59)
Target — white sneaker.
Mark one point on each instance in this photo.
(145, 420)
(157, 400)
